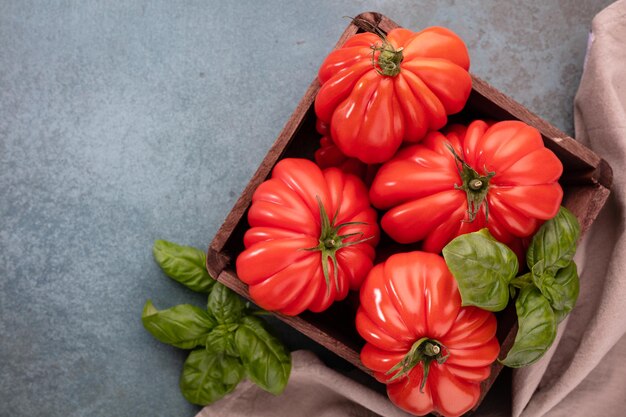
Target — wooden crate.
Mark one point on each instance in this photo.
(586, 181)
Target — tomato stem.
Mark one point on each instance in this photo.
(389, 59)
(431, 349)
(476, 186)
(331, 241)
(423, 351)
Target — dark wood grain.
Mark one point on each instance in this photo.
(586, 180)
(581, 161)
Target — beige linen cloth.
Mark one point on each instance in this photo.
(584, 374)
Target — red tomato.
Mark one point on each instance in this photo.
(329, 155)
(431, 352)
(377, 92)
(312, 238)
(500, 176)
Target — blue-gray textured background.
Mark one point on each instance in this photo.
(124, 122)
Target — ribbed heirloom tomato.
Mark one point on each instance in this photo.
(378, 91)
(431, 352)
(311, 240)
(501, 177)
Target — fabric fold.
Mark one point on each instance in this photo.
(313, 390)
(593, 336)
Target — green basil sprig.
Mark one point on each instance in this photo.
(225, 305)
(485, 272)
(483, 268)
(537, 328)
(549, 259)
(222, 340)
(265, 359)
(562, 290)
(184, 264)
(233, 342)
(209, 376)
(184, 326)
(553, 246)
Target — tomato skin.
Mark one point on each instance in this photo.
(419, 186)
(285, 221)
(371, 114)
(413, 296)
(329, 155)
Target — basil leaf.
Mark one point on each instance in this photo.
(554, 244)
(184, 326)
(225, 305)
(184, 264)
(561, 290)
(537, 328)
(208, 376)
(222, 339)
(267, 362)
(483, 268)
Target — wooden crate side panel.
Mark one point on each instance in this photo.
(581, 161)
(585, 202)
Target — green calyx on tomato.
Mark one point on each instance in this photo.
(331, 241)
(410, 316)
(286, 219)
(389, 59)
(380, 90)
(476, 186)
(424, 350)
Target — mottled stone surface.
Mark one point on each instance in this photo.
(124, 122)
